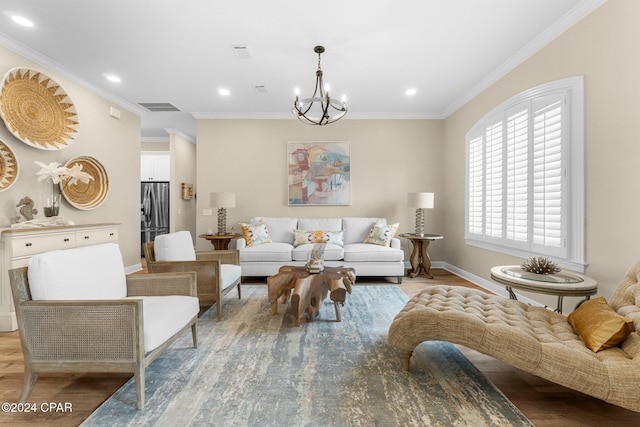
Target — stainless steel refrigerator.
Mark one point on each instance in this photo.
(154, 211)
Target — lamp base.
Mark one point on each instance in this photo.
(222, 221)
(419, 222)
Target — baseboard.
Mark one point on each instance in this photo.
(483, 283)
(8, 322)
(133, 268)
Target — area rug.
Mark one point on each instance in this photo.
(255, 369)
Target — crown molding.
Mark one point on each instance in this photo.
(571, 18)
(178, 132)
(43, 61)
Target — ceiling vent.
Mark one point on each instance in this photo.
(159, 106)
(241, 51)
(259, 88)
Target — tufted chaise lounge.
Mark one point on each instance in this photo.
(533, 339)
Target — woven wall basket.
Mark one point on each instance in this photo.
(93, 193)
(37, 110)
(8, 167)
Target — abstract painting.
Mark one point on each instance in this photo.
(319, 173)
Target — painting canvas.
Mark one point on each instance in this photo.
(319, 173)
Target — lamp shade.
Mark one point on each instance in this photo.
(222, 200)
(420, 200)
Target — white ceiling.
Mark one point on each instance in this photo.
(179, 51)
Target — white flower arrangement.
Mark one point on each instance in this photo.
(55, 173)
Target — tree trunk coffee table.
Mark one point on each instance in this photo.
(309, 290)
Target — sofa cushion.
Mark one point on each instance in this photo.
(256, 234)
(176, 246)
(356, 229)
(369, 252)
(320, 224)
(164, 316)
(598, 325)
(381, 234)
(268, 252)
(85, 273)
(332, 252)
(317, 236)
(280, 229)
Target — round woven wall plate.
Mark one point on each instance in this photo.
(92, 194)
(37, 110)
(8, 167)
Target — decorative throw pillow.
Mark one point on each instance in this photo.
(255, 235)
(317, 236)
(598, 325)
(381, 234)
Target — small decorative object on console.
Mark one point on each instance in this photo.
(26, 209)
(540, 265)
(59, 176)
(316, 259)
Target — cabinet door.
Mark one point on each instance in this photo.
(155, 167)
(161, 168)
(146, 168)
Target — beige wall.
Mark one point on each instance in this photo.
(388, 159)
(114, 143)
(603, 47)
(183, 169)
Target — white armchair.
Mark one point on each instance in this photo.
(218, 272)
(77, 311)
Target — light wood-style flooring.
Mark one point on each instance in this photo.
(544, 403)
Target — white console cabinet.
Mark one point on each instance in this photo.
(18, 245)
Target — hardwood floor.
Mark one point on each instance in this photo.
(544, 403)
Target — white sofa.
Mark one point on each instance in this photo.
(367, 259)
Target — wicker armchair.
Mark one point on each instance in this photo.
(218, 273)
(101, 335)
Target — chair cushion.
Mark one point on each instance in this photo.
(331, 252)
(369, 252)
(267, 252)
(163, 316)
(229, 273)
(85, 273)
(280, 229)
(176, 246)
(356, 229)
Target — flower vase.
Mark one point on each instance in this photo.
(51, 202)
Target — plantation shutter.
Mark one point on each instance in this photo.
(548, 167)
(476, 186)
(517, 185)
(493, 172)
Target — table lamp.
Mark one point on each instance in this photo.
(222, 201)
(420, 201)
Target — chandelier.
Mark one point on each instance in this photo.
(320, 109)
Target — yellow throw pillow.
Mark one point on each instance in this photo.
(598, 325)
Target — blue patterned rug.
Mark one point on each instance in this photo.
(255, 369)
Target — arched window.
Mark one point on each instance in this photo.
(525, 175)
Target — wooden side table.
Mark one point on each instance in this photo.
(561, 284)
(420, 261)
(219, 241)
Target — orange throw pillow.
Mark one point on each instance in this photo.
(598, 325)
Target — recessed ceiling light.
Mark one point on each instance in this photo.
(410, 92)
(224, 92)
(22, 21)
(112, 78)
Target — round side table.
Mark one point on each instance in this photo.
(420, 261)
(561, 284)
(219, 241)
